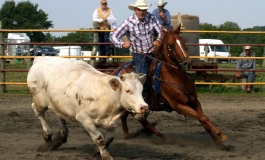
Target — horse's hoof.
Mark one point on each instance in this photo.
(126, 136)
(223, 137)
(228, 148)
(47, 138)
(43, 148)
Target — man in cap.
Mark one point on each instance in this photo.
(104, 19)
(139, 29)
(162, 14)
(247, 64)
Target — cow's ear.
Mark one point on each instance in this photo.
(142, 77)
(115, 84)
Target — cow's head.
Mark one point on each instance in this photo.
(131, 87)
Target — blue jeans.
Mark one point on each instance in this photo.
(250, 78)
(141, 63)
(142, 66)
(104, 49)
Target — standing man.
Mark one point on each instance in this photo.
(162, 14)
(247, 64)
(104, 19)
(139, 29)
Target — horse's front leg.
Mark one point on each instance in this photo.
(209, 127)
(124, 124)
(142, 118)
(217, 131)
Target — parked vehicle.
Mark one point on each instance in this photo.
(68, 50)
(209, 50)
(43, 51)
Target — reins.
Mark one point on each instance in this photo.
(177, 85)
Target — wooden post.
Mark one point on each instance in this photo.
(29, 59)
(263, 64)
(95, 47)
(2, 62)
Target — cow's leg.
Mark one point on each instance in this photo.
(40, 114)
(59, 138)
(95, 134)
(63, 130)
(110, 135)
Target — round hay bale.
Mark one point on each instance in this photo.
(188, 22)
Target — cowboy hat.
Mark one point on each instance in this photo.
(161, 3)
(103, 1)
(141, 4)
(247, 47)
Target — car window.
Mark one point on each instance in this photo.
(219, 48)
(48, 49)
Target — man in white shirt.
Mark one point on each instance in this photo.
(105, 20)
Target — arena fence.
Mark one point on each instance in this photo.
(3, 69)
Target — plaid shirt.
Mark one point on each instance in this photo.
(141, 34)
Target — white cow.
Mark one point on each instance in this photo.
(75, 90)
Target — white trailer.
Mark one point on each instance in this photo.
(69, 50)
(17, 50)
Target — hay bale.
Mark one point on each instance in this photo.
(189, 22)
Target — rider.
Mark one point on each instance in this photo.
(139, 29)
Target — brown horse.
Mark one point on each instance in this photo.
(172, 87)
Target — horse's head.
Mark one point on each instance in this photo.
(176, 46)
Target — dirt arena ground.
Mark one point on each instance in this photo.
(242, 118)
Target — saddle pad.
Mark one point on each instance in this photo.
(124, 66)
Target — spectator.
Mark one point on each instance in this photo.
(104, 19)
(162, 14)
(247, 64)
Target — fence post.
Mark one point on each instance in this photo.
(29, 59)
(2, 62)
(263, 64)
(95, 47)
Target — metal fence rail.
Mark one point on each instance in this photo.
(3, 70)
(198, 83)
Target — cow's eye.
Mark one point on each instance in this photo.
(128, 91)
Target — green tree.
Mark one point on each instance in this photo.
(208, 27)
(231, 38)
(255, 39)
(77, 37)
(25, 15)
